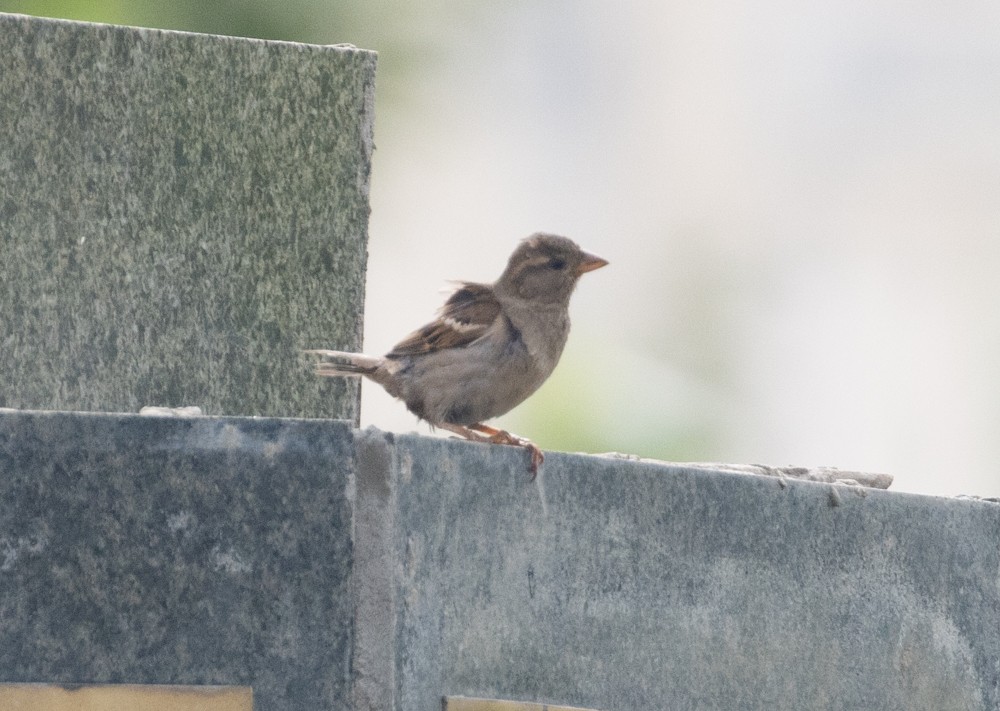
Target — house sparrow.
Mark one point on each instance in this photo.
(491, 346)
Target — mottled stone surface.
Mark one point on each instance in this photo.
(333, 569)
(180, 214)
(177, 551)
(620, 585)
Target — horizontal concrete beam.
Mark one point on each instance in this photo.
(618, 585)
(329, 568)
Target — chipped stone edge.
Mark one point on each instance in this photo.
(822, 475)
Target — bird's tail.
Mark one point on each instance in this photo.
(335, 364)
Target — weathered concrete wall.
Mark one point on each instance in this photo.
(180, 214)
(619, 585)
(331, 569)
(178, 551)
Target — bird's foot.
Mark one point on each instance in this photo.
(498, 436)
(491, 435)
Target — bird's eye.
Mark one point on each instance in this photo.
(557, 264)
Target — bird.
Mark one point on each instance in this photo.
(490, 347)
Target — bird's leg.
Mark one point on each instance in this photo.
(463, 431)
(491, 435)
(498, 436)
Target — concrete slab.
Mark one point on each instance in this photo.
(181, 215)
(328, 568)
(620, 585)
(202, 551)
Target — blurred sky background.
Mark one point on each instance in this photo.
(800, 202)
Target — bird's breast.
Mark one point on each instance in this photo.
(542, 333)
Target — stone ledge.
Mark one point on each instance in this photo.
(329, 568)
(613, 585)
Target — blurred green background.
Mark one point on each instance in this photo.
(800, 203)
(294, 20)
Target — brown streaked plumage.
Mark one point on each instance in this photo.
(491, 346)
(465, 316)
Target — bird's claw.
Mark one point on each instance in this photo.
(487, 434)
(537, 456)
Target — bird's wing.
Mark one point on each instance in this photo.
(465, 316)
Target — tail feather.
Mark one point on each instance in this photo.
(334, 364)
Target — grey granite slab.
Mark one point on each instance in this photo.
(180, 214)
(621, 585)
(201, 551)
(334, 569)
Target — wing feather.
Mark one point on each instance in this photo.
(465, 316)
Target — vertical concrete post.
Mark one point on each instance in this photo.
(179, 215)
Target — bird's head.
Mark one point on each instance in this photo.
(544, 268)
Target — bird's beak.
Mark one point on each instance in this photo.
(590, 263)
